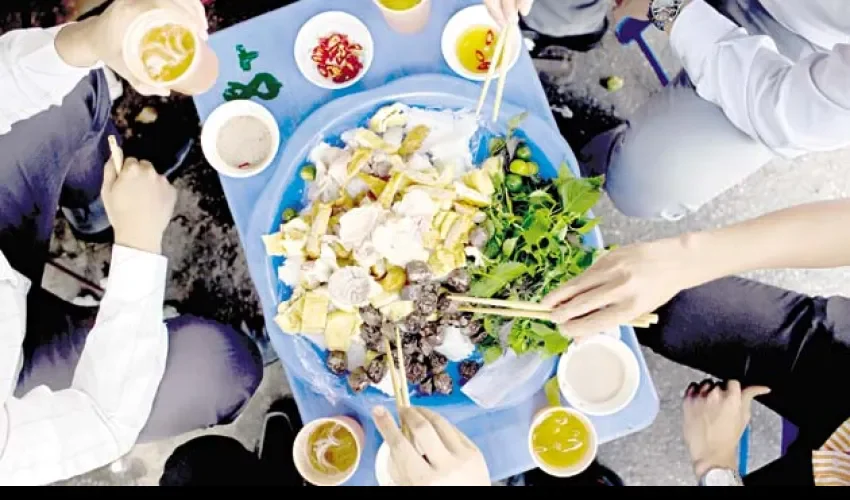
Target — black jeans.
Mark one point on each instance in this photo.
(799, 346)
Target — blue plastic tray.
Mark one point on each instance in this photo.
(286, 190)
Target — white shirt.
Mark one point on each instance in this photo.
(32, 75)
(793, 107)
(49, 436)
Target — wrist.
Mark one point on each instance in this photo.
(701, 258)
(75, 44)
(152, 245)
(703, 465)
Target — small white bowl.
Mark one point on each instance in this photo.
(574, 386)
(477, 15)
(321, 26)
(302, 460)
(588, 458)
(382, 466)
(220, 117)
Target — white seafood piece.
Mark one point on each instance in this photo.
(418, 206)
(379, 164)
(394, 115)
(456, 346)
(394, 136)
(356, 354)
(356, 225)
(350, 287)
(399, 240)
(419, 162)
(356, 187)
(366, 255)
(319, 271)
(338, 168)
(324, 154)
(290, 272)
(450, 135)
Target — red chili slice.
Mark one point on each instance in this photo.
(480, 56)
(484, 66)
(491, 37)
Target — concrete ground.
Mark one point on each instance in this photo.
(657, 455)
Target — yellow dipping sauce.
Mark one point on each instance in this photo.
(561, 440)
(476, 47)
(400, 4)
(167, 51)
(332, 449)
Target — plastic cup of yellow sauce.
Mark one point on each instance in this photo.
(327, 451)
(561, 440)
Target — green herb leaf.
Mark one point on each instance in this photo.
(492, 354)
(497, 279)
(515, 122)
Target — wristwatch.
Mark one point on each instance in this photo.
(721, 477)
(662, 13)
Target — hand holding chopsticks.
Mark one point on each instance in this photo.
(520, 309)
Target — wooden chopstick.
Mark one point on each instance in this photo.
(491, 72)
(508, 304)
(405, 391)
(503, 73)
(509, 313)
(643, 321)
(399, 398)
(399, 380)
(117, 153)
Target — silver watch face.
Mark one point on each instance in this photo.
(664, 11)
(720, 477)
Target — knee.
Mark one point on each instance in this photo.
(217, 357)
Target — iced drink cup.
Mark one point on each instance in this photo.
(406, 16)
(163, 53)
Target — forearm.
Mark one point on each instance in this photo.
(125, 353)
(806, 236)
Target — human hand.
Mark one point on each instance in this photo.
(139, 203)
(636, 9)
(101, 38)
(507, 11)
(621, 286)
(452, 459)
(715, 419)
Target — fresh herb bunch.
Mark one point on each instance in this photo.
(535, 227)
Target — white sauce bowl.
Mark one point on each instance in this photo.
(581, 372)
(219, 118)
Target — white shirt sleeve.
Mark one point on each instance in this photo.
(793, 107)
(32, 75)
(51, 436)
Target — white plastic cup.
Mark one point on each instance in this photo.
(587, 459)
(302, 459)
(197, 79)
(575, 387)
(407, 21)
(219, 118)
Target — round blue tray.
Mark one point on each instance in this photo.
(286, 189)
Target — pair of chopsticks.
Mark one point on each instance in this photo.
(520, 309)
(399, 379)
(504, 42)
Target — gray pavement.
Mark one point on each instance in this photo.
(655, 456)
